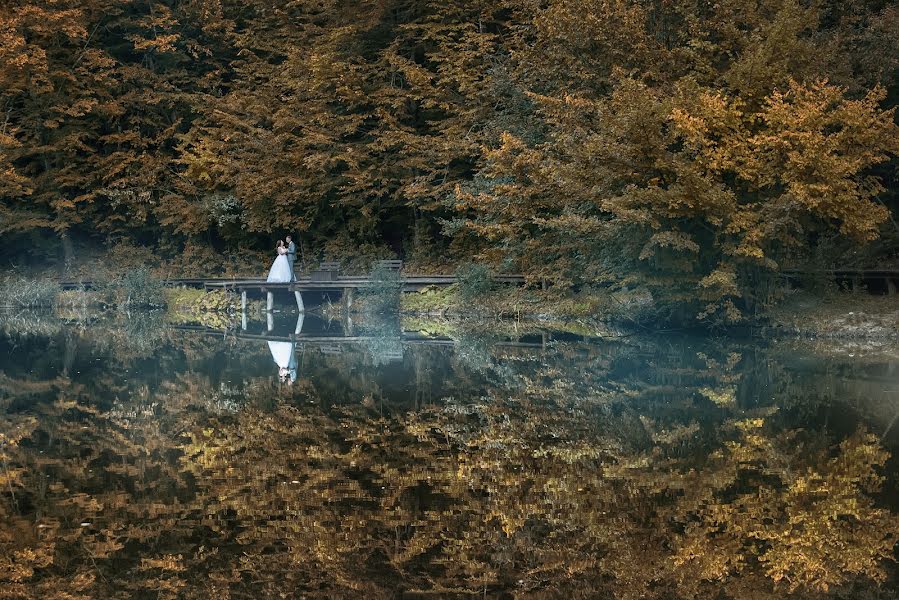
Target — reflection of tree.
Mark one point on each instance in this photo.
(591, 471)
(765, 504)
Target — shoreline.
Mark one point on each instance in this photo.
(801, 314)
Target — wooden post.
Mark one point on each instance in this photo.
(347, 299)
(243, 310)
(300, 306)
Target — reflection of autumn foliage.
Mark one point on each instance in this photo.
(621, 470)
(543, 492)
(770, 504)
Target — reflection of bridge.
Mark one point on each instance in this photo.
(406, 337)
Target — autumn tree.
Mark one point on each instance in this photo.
(95, 94)
(681, 153)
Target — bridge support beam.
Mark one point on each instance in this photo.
(348, 326)
(348, 297)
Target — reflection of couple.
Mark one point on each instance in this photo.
(282, 268)
(285, 357)
(285, 354)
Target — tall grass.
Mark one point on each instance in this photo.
(29, 323)
(23, 292)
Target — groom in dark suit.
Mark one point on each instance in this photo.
(291, 256)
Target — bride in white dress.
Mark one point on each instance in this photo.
(280, 271)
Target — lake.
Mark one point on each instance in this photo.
(302, 458)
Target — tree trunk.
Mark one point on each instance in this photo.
(68, 252)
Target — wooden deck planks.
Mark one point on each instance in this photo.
(304, 283)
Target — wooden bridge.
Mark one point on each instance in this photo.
(326, 278)
(340, 283)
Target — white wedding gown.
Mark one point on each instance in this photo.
(285, 356)
(280, 271)
(285, 353)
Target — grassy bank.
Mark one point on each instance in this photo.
(837, 315)
(135, 289)
(522, 303)
(820, 312)
(216, 309)
(832, 314)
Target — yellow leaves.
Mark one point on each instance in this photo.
(802, 153)
(19, 565)
(721, 397)
(158, 25)
(714, 562)
(81, 107)
(721, 282)
(806, 522)
(693, 128)
(713, 126)
(748, 425)
(820, 142)
(672, 436)
(168, 562)
(675, 240)
(413, 73)
(160, 43)
(533, 488)
(750, 251)
(103, 545)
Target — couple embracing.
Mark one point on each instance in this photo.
(282, 268)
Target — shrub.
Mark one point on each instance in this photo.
(383, 293)
(137, 288)
(473, 281)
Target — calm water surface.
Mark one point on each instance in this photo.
(307, 459)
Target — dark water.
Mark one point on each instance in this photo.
(143, 459)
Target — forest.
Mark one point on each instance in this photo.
(691, 148)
